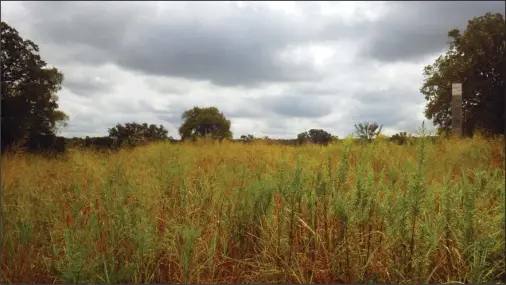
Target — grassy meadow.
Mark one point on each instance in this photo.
(256, 213)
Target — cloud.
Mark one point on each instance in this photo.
(297, 106)
(231, 46)
(394, 108)
(86, 81)
(412, 30)
(273, 68)
(171, 86)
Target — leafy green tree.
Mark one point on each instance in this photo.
(476, 59)
(247, 138)
(204, 122)
(154, 133)
(367, 131)
(303, 138)
(132, 134)
(316, 136)
(29, 101)
(400, 138)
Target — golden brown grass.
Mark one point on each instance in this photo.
(234, 213)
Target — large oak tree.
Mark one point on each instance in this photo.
(476, 59)
(204, 122)
(29, 101)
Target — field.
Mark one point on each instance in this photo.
(255, 213)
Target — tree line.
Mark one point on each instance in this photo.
(133, 134)
(126, 135)
(31, 116)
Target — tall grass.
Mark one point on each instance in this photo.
(233, 213)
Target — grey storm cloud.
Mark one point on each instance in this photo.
(87, 86)
(175, 120)
(391, 96)
(385, 114)
(82, 123)
(251, 111)
(163, 87)
(411, 30)
(391, 108)
(236, 46)
(240, 47)
(297, 106)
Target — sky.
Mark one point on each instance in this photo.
(273, 68)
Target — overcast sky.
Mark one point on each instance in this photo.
(273, 68)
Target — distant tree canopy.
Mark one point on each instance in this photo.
(475, 59)
(132, 134)
(400, 138)
(204, 122)
(100, 142)
(367, 131)
(29, 101)
(316, 136)
(247, 138)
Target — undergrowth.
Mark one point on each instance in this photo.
(232, 213)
